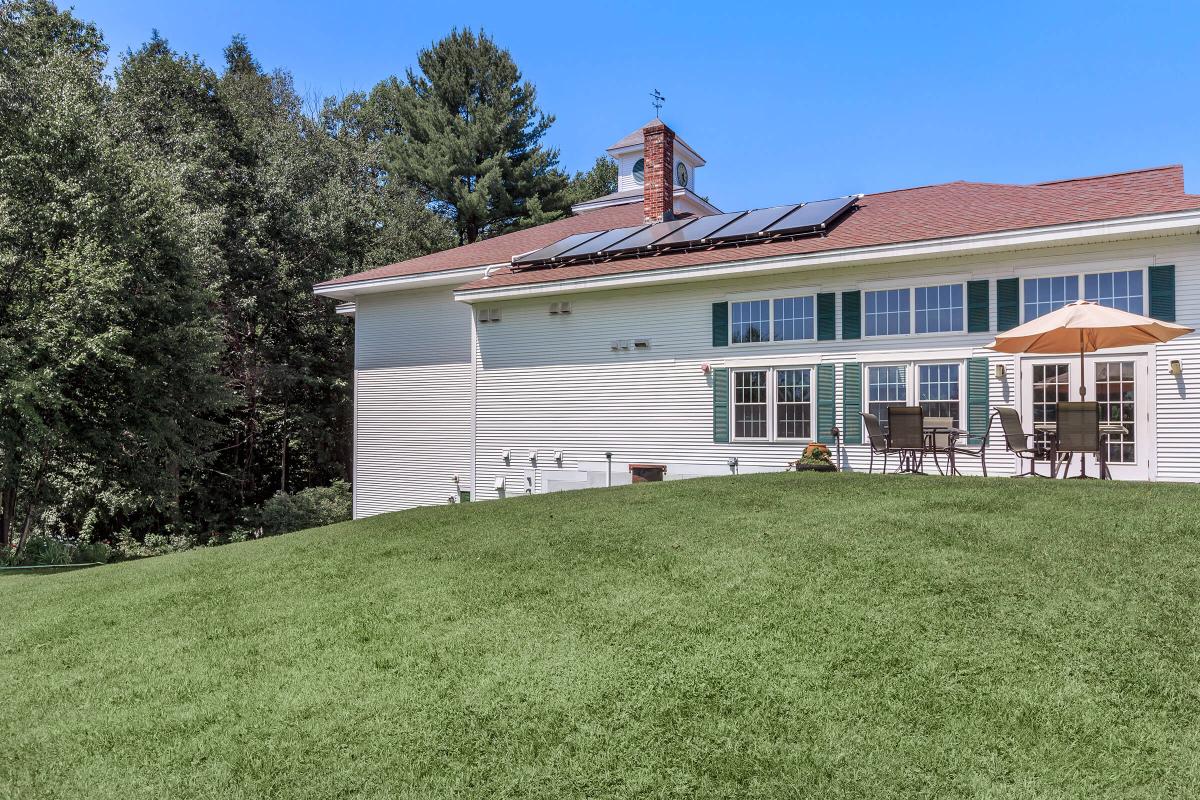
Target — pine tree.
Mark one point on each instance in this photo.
(468, 132)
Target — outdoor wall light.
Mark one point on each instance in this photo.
(1001, 372)
(558, 457)
(533, 457)
(1176, 367)
(505, 455)
(500, 484)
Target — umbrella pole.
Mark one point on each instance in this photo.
(1082, 395)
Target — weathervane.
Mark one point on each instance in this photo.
(657, 102)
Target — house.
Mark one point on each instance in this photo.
(564, 356)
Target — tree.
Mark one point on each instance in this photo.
(468, 133)
(106, 360)
(598, 181)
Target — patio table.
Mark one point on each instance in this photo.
(952, 434)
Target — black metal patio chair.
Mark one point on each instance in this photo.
(1018, 442)
(906, 433)
(877, 439)
(1077, 430)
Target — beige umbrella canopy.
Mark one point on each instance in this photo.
(1085, 327)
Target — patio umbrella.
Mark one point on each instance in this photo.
(1085, 327)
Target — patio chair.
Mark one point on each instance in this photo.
(1077, 430)
(906, 433)
(877, 439)
(1017, 441)
(967, 447)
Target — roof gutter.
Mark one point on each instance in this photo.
(1143, 226)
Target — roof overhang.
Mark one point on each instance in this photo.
(399, 283)
(1137, 227)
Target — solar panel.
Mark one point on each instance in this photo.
(602, 242)
(812, 216)
(561, 246)
(752, 223)
(700, 229)
(650, 235)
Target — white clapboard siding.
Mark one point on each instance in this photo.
(549, 383)
(412, 400)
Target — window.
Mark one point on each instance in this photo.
(887, 312)
(1121, 290)
(886, 386)
(938, 389)
(793, 404)
(939, 309)
(639, 171)
(773, 404)
(750, 405)
(1043, 295)
(780, 319)
(751, 321)
(794, 318)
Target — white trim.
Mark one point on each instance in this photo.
(900, 283)
(347, 291)
(1053, 235)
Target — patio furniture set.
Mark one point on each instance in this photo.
(911, 436)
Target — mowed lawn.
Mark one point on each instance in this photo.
(826, 636)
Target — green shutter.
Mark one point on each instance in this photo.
(978, 298)
(1008, 303)
(851, 314)
(720, 405)
(852, 402)
(720, 324)
(978, 402)
(1162, 293)
(826, 316)
(826, 403)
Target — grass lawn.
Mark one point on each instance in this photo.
(827, 636)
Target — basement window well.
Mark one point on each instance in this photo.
(646, 473)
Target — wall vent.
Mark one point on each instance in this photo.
(560, 308)
(488, 315)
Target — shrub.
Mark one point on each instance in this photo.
(310, 508)
(41, 550)
(154, 544)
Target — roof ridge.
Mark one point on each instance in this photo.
(1159, 168)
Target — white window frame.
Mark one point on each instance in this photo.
(772, 402)
(770, 298)
(912, 381)
(912, 308)
(1082, 276)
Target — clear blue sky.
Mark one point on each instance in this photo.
(787, 102)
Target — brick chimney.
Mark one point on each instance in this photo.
(658, 188)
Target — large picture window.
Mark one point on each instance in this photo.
(1043, 295)
(778, 319)
(935, 387)
(773, 404)
(925, 309)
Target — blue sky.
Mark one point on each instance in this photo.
(788, 101)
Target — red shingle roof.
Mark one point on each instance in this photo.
(906, 215)
(928, 212)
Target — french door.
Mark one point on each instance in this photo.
(1120, 383)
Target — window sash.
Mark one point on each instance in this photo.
(939, 309)
(887, 312)
(771, 404)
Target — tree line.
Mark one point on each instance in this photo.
(164, 365)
